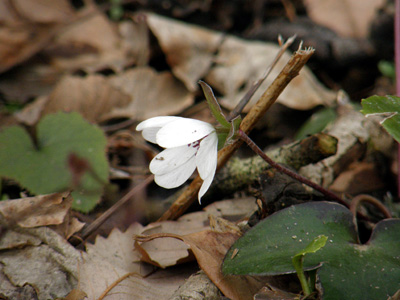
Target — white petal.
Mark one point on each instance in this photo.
(156, 122)
(149, 134)
(182, 132)
(204, 187)
(207, 155)
(171, 158)
(151, 126)
(176, 177)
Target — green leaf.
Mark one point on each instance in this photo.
(347, 269)
(389, 108)
(43, 168)
(297, 260)
(315, 245)
(316, 123)
(214, 106)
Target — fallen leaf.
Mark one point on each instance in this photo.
(37, 211)
(28, 27)
(92, 96)
(210, 247)
(50, 267)
(232, 209)
(42, 11)
(54, 268)
(75, 294)
(91, 43)
(240, 63)
(359, 178)
(152, 94)
(111, 258)
(272, 293)
(347, 18)
(189, 49)
(70, 226)
(11, 239)
(169, 251)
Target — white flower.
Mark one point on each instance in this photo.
(189, 144)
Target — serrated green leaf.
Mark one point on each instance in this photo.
(43, 168)
(389, 108)
(347, 270)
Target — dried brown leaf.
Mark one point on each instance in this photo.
(28, 27)
(169, 251)
(92, 96)
(43, 11)
(36, 211)
(347, 18)
(271, 293)
(189, 49)
(109, 259)
(359, 178)
(91, 43)
(152, 94)
(210, 247)
(240, 63)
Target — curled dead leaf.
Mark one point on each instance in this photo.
(37, 211)
(210, 247)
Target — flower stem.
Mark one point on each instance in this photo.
(243, 136)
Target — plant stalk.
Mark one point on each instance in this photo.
(331, 196)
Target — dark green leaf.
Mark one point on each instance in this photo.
(347, 270)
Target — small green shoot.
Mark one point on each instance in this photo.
(315, 245)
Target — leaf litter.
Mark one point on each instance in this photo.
(105, 72)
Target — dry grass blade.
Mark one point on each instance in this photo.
(100, 220)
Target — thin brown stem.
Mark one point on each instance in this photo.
(243, 136)
(246, 98)
(128, 196)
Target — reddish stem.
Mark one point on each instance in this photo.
(243, 136)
